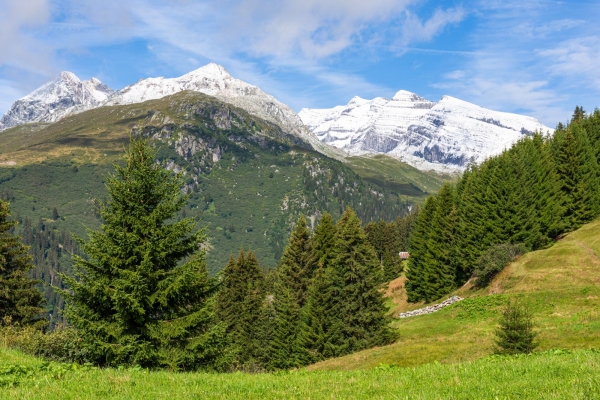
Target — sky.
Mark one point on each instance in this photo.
(534, 57)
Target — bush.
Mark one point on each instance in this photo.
(493, 261)
(515, 334)
(62, 345)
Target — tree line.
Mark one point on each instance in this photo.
(530, 194)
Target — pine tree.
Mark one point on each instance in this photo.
(316, 315)
(20, 302)
(143, 296)
(296, 269)
(239, 304)
(415, 285)
(578, 172)
(284, 350)
(354, 279)
(439, 271)
(515, 333)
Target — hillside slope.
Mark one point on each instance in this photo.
(248, 179)
(561, 284)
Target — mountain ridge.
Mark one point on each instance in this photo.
(56, 99)
(445, 136)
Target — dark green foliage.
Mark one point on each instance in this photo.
(239, 305)
(493, 261)
(577, 169)
(439, 269)
(358, 313)
(144, 295)
(530, 194)
(284, 350)
(515, 333)
(415, 284)
(20, 301)
(316, 317)
(296, 268)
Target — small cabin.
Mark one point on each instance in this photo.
(404, 255)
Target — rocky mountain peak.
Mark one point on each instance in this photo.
(50, 102)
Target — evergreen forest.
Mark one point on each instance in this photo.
(527, 196)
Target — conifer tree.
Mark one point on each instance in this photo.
(354, 277)
(284, 350)
(515, 333)
(296, 269)
(143, 296)
(322, 242)
(20, 302)
(316, 316)
(439, 271)
(415, 285)
(578, 172)
(239, 304)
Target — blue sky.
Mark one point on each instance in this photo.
(535, 57)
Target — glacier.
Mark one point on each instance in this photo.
(443, 136)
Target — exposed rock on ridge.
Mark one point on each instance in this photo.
(60, 97)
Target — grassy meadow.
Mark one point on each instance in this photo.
(561, 284)
(447, 354)
(555, 374)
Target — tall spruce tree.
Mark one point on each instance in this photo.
(296, 268)
(439, 271)
(284, 349)
(20, 302)
(316, 316)
(143, 296)
(239, 305)
(355, 276)
(415, 284)
(578, 172)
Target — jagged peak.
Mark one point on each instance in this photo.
(68, 75)
(210, 69)
(405, 95)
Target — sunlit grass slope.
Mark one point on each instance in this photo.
(562, 285)
(398, 176)
(551, 375)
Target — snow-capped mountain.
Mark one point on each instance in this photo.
(446, 135)
(214, 80)
(62, 96)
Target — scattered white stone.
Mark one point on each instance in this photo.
(431, 309)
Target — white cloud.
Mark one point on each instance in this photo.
(576, 59)
(18, 45)
(415, 30)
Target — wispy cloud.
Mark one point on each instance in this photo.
(19, 46)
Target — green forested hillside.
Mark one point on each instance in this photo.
(530, 195)
(399, 177)
(248, 180)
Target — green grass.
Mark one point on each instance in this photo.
(550, 375)
(561, 283)
(398, 176)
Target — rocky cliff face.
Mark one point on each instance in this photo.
(446, 135)
(52, 101)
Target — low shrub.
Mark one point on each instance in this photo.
(62, 345)
(493, 261)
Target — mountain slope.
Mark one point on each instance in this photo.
(561, 284)
(64, 95)
(248, 180)
(443, 136)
